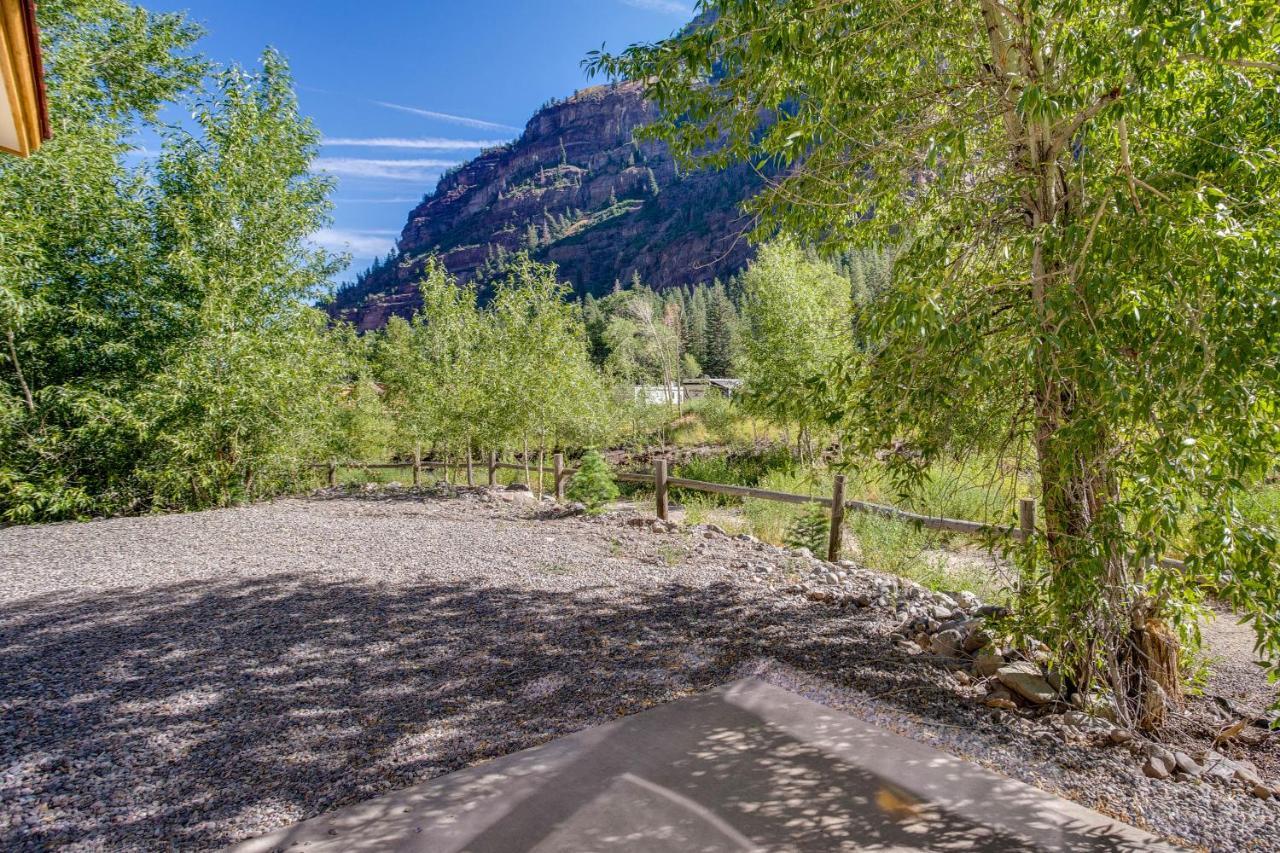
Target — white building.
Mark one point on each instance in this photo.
(655, 395)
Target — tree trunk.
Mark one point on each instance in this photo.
(542, 455)
(1120, 626)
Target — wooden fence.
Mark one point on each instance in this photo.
(662, 484)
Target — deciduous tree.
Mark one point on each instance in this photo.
(1088, 197)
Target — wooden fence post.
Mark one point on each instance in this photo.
(493, 468)
(835, 536)
(471, 474)
(417, 466)
(557, 471)
(333, 473)
(1027, 518)
(660, 486)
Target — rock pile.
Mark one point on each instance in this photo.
(956, 629)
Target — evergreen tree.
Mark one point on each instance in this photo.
(810, 530)
(593, 484)
(721, 320)
(696, 324)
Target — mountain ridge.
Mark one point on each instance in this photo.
(576, 189)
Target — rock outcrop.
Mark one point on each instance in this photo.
(576, 189)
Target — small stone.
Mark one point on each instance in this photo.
(1119, 736)
(1154, 768)
(940, 612)
(1247, 775)
(1186, 764)
(978, 639)
(968, 600)
(962, 678)
(1164, 757)
(988, 663)
(803, 553)
(1000, 698)
(945, 600)
(1217, 767)
(1261, 791)
(1026, 680)
(946, 643)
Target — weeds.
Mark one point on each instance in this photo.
(672, 555)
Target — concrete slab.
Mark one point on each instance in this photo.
(746, 767)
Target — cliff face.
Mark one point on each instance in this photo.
(575, 190)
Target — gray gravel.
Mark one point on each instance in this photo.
(198, 679)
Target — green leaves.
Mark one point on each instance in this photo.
(799, 314)
(461, 375)
(159, 316)
(1087, 197)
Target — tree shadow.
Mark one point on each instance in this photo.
(200, 713)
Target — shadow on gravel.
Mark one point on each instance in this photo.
(201, 713)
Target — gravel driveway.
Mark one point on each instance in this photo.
(194, 680)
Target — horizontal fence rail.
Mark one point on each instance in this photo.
(836, 503)
(1021, 532)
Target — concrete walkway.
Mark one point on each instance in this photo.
(745, 767)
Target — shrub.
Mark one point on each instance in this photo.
(810, 530)
(593, 483)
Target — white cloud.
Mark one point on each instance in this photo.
(428, 143)
(392, 200)
(416, 171)
(666, 7)
(447, 117)
(361, 244)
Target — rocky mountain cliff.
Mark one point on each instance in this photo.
(575, 189)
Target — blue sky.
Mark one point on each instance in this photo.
(401, 89)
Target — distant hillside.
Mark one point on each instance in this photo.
(577, 190)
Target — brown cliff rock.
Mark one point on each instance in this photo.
(578, 190)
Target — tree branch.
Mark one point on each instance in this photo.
(1250, 64)
(17, 367)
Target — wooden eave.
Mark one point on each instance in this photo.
(23, 75)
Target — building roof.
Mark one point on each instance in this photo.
(24, 112)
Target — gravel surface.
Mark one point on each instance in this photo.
(194, 680)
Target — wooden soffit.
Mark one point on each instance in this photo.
(24, 114)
